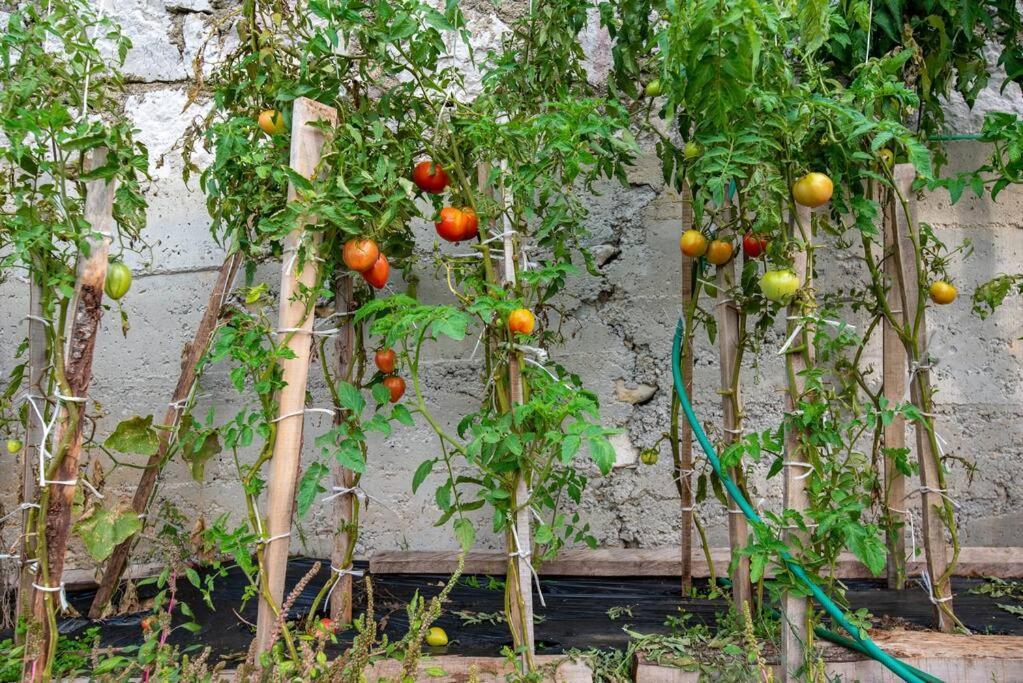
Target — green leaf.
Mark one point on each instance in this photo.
(603, 453)
(134, 435)
(350, 397)
(465, 532)
(102, 530)
(401, 414)
(309, 487)
(422, 472)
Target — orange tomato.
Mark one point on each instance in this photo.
(452, 225)
(430, 177)
(385, 360)
(377, 275)
(472, 223)
(396, 385)
(813, 190)
(943, 292)
(360, 254)
(272, 122)
(719, 252)
(693, 243)
(521, 321)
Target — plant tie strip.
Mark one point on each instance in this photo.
(36, 318)
(300, 330)
(525, 555)
(349, 570)
(925, 582)
(64, 606)
(325, 411)
(268, 541)
(23, 506)
(796, 463)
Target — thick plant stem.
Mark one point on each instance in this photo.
(298, 275)
(346, 505)
(146, 489)
(729, 323)
(894, 388)
(73, 370)
(796, 633)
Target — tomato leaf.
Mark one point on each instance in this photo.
(134, 435)
(103, 529)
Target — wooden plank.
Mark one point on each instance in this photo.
(933, 504)
(974, 562)
(75, 374)
(795, 632)
(146, 488)
(685, 434)
(894, 369)
(556, 668)
(727, 313)
(344, 505)
(306, 145)
(950, 657)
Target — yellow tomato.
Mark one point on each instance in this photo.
(719, 252)
(272, 122)
(693, 243)
(942, 292)
(521, 321)
(436, 637)
(813, 190)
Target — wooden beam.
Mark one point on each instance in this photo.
(146, 488)
(306, 145)
(893, 367)
(685, 432)
(932, 500)
(57, 493)
(974, 562)
(795, 629)
(454, 669)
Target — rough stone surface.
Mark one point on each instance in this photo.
(618, 333)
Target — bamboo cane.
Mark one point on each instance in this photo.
(295, 314)
(58, 491)
(146, 488)
(795, 631)
(934, 505)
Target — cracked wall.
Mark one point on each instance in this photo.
(618, 331)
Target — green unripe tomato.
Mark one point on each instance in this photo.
(118, 280)
(14, 445)
(653, 88)
(648, 456)
(692, 150)
(779, 285)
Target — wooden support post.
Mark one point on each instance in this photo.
(295, 314)
(146, 488)
(795, 631)
(344, 505)
(727, 314)
(57, 492)
(520, 545)
(893, 364)
(37, 363)
(685, 435)
(934, 505)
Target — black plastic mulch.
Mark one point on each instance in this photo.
(576, 613)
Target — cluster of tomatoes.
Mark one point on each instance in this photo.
(456, 224)
(364, 256)
(385, 360)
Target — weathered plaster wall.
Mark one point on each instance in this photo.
(619, 332)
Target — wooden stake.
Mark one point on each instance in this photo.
(57, 498)
(727, 313)
(146, 488)
(344, 505)
(685, 473)
(894, 388)
(933, 504)
(795, 632)
(521, 544)
(306, 145)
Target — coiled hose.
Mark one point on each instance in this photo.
(860, 641)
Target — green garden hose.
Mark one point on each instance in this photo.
(900, 669)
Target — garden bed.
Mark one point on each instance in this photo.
(582, 613)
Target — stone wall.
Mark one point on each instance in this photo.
(618, 333)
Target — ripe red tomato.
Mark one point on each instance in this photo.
(377, 275)
(753, 245)
(452, 225)
(430, 177)
(360, 254)
(385, 360)
(472, 223)
(521, 321)
(396, 385)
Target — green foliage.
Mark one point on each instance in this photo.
(102, 529)
(990, 295)
(134, 435)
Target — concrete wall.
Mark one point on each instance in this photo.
(618, 334)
